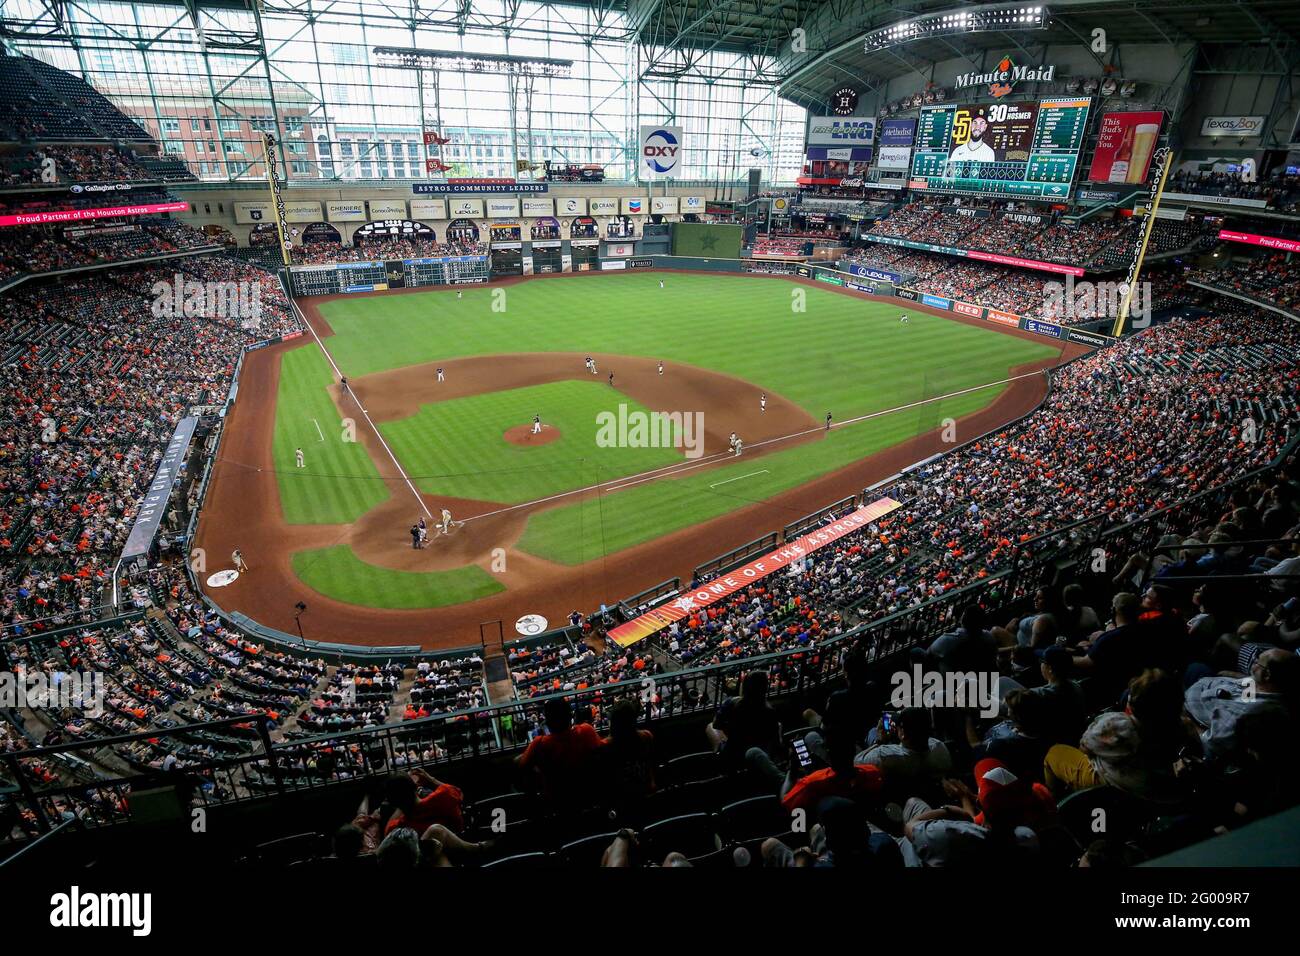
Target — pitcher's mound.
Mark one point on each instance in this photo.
(523, 435)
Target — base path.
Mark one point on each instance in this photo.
(242, 509)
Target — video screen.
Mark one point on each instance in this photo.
(1024, 150)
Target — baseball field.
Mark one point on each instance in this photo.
(593, 506)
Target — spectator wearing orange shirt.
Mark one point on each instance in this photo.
(559, 763)
(442, 804)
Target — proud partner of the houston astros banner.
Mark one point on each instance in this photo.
(646, 624)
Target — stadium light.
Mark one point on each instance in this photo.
(454, 61)
(954, 22)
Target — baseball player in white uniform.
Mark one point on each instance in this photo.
(537, 424)
(298, 459)
(762, 402)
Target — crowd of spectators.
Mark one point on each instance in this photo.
(1281, 192)
(1268, 277)
(71, 164)
(51, 248)
(318, 253)
(94, 381)
(781, 246)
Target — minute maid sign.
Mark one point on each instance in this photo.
(1006, 75)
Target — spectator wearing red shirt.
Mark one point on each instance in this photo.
(441, 805)
(559, 763)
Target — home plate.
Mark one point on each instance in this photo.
(737, 478)
(222, 578)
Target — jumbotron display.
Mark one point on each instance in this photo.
(1024, 150)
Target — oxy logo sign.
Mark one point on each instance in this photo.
(661, 149)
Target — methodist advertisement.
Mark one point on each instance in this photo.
(894, 147)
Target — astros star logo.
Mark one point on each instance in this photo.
(708, 242)
(685, 603)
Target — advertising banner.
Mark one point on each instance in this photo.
(469, 208)
(841, 130)
(603, 207)
(246, 212)
(1239, 127)
(894, 157)
(1125, 144)
(571, 206)
(722, 587)
(635, 207)
(300, 210)
(538, 207)
(935, 301)
(1042, 328)
(480, 186)
(897, 132)
(389, 209)
(909, 294)
(619, 248)
(873, 273)
(349, 210)
(665, 205)
(856, 154)
(84, 215)
(965, 308)
(1087, 338)
(661, 152)
(1003, 318)
(502, 208)
(694, 204)
(428, 209)
(1268, 242)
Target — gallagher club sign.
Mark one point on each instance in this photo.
(1005, 76)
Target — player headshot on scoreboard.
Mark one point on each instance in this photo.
(974, 148)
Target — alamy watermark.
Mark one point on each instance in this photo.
(235, 301)
(1080, 301)
(965, 690)
(629, 428)
(70, 690)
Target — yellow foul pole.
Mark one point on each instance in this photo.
(277, 201)
(1162, 159)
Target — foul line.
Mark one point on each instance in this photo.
(318, 431)
(614, 484)
(364, 414)
(738, 477)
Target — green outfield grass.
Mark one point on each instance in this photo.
(339, 483)
(455, 447)
(823, 350)
(584, 531)
(340, 574)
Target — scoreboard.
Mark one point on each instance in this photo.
(1005, 150)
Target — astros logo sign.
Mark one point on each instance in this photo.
(660, 151)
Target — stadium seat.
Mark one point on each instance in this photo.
(752, 819)
(522, 861)
(692, 834)
(587, 851)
